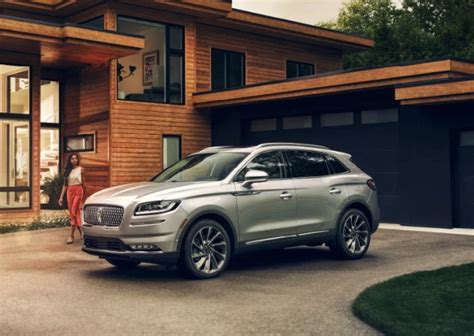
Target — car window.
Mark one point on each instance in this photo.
(307, 164)
(270, 162)
(336, 166)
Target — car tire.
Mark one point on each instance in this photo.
(353, 235)
(206, 250)
(123, 264)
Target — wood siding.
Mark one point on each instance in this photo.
(136, 128)
(86, 110)
(265, 56)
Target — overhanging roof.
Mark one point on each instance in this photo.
(339, 82)
(291, 30)
(429, 93)
(65, 45)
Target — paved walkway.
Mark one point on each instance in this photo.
(49, 288)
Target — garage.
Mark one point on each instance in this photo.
(371, 136)
(414, 135)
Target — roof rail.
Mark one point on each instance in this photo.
(216, 147)
(270, 144)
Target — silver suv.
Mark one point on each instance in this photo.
(222, 201)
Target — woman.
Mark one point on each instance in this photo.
(74, 184)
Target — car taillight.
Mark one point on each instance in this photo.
(371, 184)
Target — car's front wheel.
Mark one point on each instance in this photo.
(123, 264)
(206, 251)
(353, 235)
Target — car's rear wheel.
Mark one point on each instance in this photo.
(123, 264)
(353, 235)
(206, 250)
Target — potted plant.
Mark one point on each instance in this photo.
(52, 187)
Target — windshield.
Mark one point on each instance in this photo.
(201, 167)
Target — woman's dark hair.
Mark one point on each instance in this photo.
(68, 169)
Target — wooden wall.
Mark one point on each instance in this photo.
(86, 110)
(265, 56)
(136, 128)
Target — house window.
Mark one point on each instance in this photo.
(156, 73)
(297, 122)
(228, 69)
(171, 150)
(96, 23)
(50, 125)
(337, 119)
(80, 143)
(298, 69)
(15, 137)
(467, 138)
(262, 125)
(379, 116)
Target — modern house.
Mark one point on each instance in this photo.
(134, 86)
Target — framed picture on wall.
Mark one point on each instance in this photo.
(150, 60)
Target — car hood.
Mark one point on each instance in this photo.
(143, 190)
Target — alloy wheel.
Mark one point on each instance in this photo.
(209, 250)
(356, 234)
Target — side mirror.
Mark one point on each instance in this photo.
(254, 176)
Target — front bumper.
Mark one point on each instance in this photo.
(104, 247)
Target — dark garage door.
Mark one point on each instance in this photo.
(373, 146)
(464, 190)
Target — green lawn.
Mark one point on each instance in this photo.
(439, 302)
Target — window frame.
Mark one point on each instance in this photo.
(28, 118)
(180, 154)
(298, 64)
(176, 52)
(243, 72)
(80, 135)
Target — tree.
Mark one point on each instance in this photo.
(420, 29)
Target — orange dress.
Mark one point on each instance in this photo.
(75, 196)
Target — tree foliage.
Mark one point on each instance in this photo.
(420, 29)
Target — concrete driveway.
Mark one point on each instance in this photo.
(47, 287)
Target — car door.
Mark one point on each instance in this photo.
(319, 196)
(266, 210)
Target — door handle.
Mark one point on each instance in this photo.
(285, 196)
(334, 191)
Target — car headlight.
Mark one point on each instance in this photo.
(151, 208)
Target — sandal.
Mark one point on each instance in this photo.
(70, 240)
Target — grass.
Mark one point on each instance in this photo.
(439, 302)
(43, 222)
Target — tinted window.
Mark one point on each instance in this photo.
(291, 70)
(218, 73)
(270, 162)
(336, 166)
(97, 23)
(307, 164)
(228, 69)
(298, 69)
(337, 119)
(176, 37)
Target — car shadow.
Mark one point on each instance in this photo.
(300, 258)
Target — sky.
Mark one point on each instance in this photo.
(305, 11)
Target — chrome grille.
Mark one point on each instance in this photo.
(103, 215)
